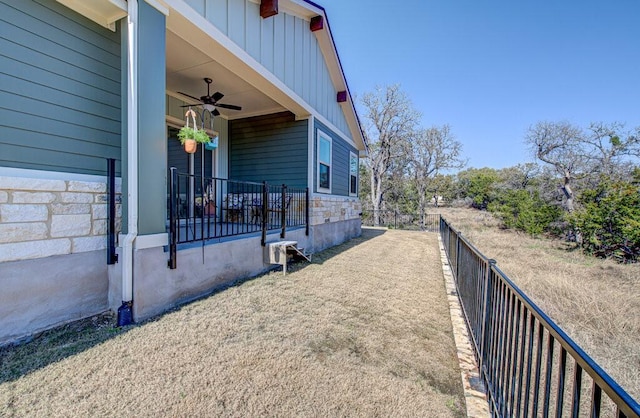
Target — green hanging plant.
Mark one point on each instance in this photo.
(190, 136)
(199, 135)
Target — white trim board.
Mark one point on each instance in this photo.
(53, 175)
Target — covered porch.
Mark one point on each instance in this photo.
(267, 86)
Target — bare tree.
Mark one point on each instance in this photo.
(433, 150)
(560, 145)
(389, 128)
(604, 150)
(609, 148)
(519, 177)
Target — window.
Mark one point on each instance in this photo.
(353, 174)
(324, 162)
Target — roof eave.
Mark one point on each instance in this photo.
(327, 44)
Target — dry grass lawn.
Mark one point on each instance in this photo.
(362, 331)
(597, 302)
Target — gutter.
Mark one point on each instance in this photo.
(125, 314)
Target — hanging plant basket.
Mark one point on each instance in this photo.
(212, 144)
(190, 145)
(191, 136)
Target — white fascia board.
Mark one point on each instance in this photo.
(349, 111)
(297, 8)
(53, 175)
(159, 5)
(300, 8)
(335, 130)
(104, 12)
(202, 34)
(336, 73)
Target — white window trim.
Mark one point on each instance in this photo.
(323, 135)
(354, 155)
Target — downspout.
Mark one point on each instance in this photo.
(125, 314)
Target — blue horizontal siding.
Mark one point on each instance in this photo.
(340, 150)
(60, 89)
(270, 148)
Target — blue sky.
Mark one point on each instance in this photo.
(491, 69)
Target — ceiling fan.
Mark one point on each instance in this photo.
(210, 101)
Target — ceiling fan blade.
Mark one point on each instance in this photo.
(189, 105)
(217, 96)
(215, 112)
(188, 95)
(228, 106)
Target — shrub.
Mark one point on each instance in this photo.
(526, 211)
(609, 221)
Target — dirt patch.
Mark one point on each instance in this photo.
(362, 331)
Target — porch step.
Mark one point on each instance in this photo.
(298, 253)
(279, 252)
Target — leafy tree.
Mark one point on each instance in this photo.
(443, 188)
(478, 184)
(610, 220)
(525, 210)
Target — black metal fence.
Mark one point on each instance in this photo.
(112, 256)
(206, 208)
(529, 366)
(400, 220)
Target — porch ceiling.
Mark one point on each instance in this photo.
(187, 66)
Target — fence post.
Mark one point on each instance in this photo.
(486, 319)
(458, 234)
(173, 239)
(307, 210)
(265, 212)
(283, 211)
(112, 257)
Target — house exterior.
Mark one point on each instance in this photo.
(84, 83)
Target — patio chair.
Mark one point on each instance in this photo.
(209, 207)
(235, 207)
(256, 211)
(276, 207)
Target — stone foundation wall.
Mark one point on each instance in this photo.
(329, 209)
(41, 217)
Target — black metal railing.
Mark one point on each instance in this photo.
(529, 366)
(400, 220)
(112, 256)
(206, 208)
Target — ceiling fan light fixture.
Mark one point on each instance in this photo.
(209, 107)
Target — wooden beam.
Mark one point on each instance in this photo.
(342, 96)
(317, 23)
(268, 8)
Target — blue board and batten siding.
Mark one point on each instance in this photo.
(340, 150)
(60, 85)
(284, 45)
(271, 148)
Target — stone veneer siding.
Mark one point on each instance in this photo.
(327, 209)
(42, 218)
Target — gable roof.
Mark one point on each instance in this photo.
(310, 9)
(106, 12)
